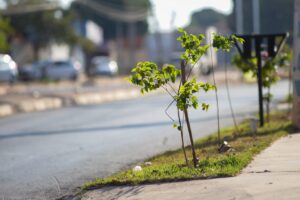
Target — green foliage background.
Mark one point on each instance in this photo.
(5, 31)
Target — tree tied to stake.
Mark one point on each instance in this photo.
(149, 77)
(269, 71)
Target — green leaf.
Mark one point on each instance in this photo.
(180, 30)
(205, 106)
(149, 77)
(179, 128)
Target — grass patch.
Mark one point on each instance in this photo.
(170, 166)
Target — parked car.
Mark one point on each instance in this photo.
(63, 70)
(103, 65)
(8, 69)
(34, 71)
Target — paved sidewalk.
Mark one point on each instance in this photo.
(274, 174)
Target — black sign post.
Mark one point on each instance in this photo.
(269, 41)
(259, 80)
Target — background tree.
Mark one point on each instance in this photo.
(148, 76)
(207, 17)
(5, 31)
(269, 71)
(40, 27)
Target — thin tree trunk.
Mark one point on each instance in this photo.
(183, 80)
(268, 105)
(290, 94)
(182, 139)
(268, 111)
(191, 137)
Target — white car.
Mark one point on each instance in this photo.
(63, 70)
(103, 65)
(8, 69)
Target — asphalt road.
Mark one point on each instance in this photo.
(44, 155)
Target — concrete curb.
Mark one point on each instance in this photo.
(97, 98)
(39, 104)
(50, 103)
(6, 110)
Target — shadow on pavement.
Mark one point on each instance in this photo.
(107, 128)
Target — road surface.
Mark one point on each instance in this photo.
(47, 154)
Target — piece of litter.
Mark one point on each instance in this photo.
(137, 168)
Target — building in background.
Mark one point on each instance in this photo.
(272, 16)
(296, 69)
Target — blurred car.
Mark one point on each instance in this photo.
(63, 70)
(103, 65)
(34, 71)
(8, 69)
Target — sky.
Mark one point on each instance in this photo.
(165, 9)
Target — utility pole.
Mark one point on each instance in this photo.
(158, 41)
(132, 42)
(119, 31)
(173, 36)
(256, 16)
(296, 68)
(239, 16)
